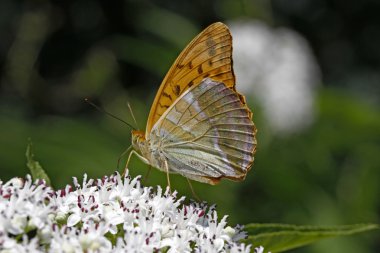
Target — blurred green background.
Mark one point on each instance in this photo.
(53, 54)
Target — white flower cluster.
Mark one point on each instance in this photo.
(112, 214)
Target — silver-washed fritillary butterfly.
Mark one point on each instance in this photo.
(199, 126)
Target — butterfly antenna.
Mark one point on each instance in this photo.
(131, 111)
(109, 114)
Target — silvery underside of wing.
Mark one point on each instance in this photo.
(207, 134)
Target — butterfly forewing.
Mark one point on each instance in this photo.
(208, 55)
(207, 134)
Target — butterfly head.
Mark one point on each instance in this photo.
(138, 140)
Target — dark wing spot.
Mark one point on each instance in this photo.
(194, 163)
(163, 106)
(206, 75)
(179, 66)
(190, 65)
(210, 42)
(200, 70)
(190, 83)
(211, 51)
(167, 95)
(210, 63)
(177, 90)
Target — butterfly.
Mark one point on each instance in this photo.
(199, 126)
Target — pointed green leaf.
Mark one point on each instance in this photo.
(282, 237)
(34, 166)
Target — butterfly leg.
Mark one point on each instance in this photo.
(167, 173)
(123, 154)
(192, 191)
(133, 152)
(147, 175)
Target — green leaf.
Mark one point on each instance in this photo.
(282, 237)
(35, 168)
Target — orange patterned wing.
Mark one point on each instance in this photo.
(208, 55)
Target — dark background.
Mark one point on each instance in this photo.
(55, 53)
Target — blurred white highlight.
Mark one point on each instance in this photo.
(277, 67)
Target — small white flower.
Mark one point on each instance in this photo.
(260, 249)
(17, 224)
(229, 231)
(64, 240)
(92, 237)
(235, 248)
(26, 246)
(14, 183)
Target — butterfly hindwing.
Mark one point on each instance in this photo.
(207, 134)
(207, 55)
